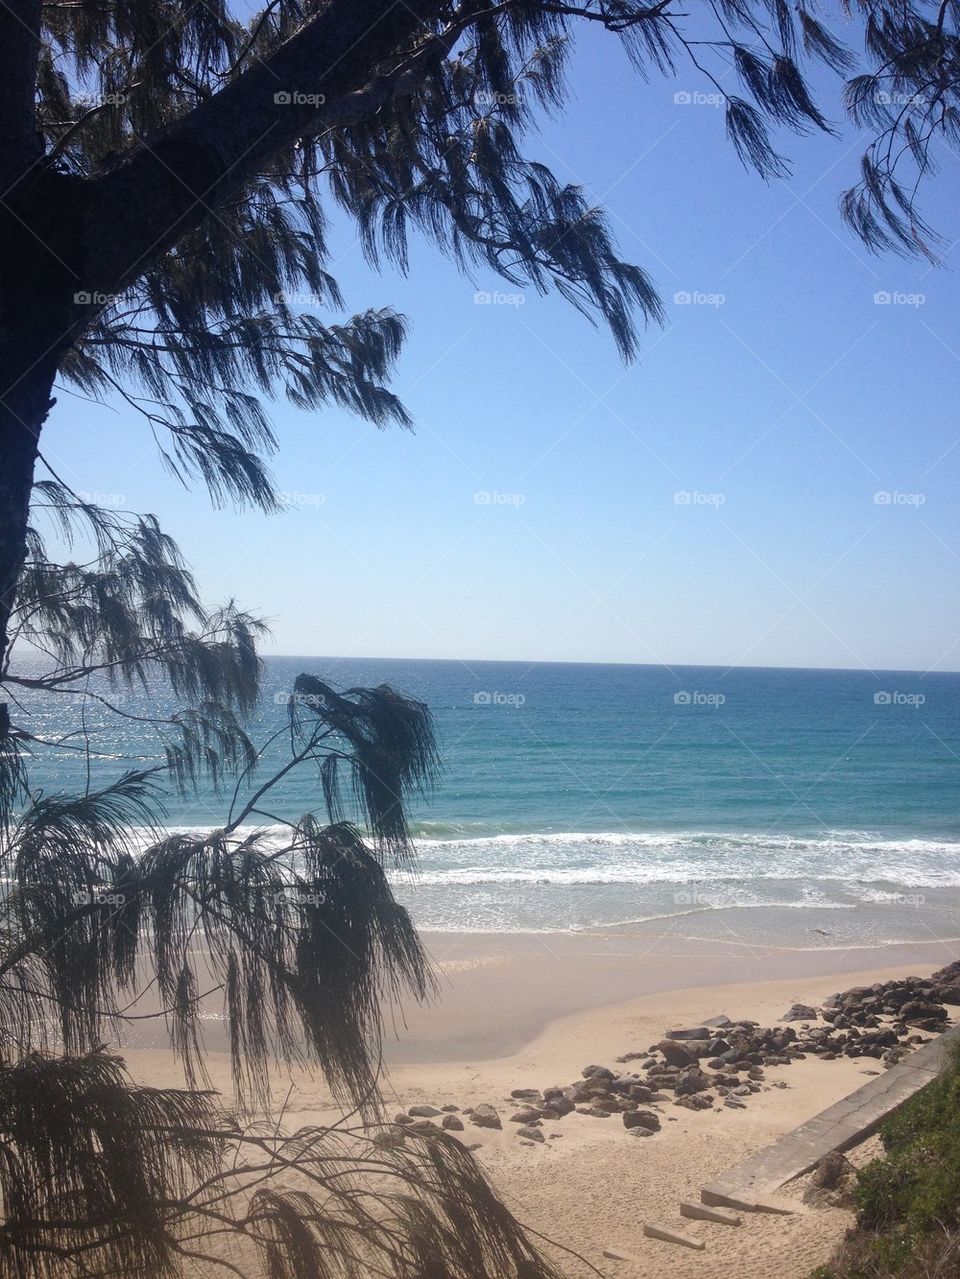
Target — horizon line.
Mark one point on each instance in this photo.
(521, 661)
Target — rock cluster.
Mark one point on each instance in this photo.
(720, 1063)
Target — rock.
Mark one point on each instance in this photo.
(486, 1116)
(698, 1032)
(800, 1012)
(531, 1134)
(641, 1132)
(640, 1092)
(691, 1081)
(402, 1119)
(422, 1125)
(698, 1101)
(833, 1182)
(526, 1114)
(675, 1053)
(641, 1119)
(389, 1139)
(450, 1110)
(599, 1073)
(530, 1094)
(452, 1123)
(734, 1103)
(831, 1170)
(424, 1112)
(922, 1009)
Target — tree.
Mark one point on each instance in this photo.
(163, 174)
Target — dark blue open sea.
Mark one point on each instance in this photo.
(825, 804)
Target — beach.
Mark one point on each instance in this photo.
(531, 1011)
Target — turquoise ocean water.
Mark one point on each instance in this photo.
(823, 804)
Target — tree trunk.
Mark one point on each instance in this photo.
(24, 404)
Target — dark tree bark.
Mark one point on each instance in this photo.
(66, 239)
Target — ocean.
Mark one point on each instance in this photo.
(816, 807)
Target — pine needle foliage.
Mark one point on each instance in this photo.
(108, 921)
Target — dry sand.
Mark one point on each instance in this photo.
(500, 1027)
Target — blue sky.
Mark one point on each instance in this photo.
(714, 503)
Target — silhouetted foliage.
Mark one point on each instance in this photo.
(166, 170)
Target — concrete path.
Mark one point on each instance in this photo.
(839, 1127)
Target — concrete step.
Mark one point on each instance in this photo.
(838, 1127)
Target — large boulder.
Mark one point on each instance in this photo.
(800, 1012)
(526, 1115)
(530, 1134)
(676, 1053)
(641, 1119)
(833, 1182)
(424, 1112)
(485, 1116)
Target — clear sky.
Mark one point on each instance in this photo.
(780, 402)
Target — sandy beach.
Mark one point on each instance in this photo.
(530, 1011)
